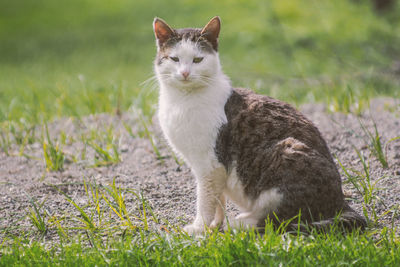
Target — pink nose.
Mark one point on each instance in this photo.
(185, 74)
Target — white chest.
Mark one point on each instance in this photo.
(191, 123)
(191, 128)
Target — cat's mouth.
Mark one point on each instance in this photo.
(186, 81)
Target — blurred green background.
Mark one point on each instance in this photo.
(72, 58)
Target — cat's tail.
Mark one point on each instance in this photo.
(348, 220)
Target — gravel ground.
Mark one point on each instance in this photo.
(170, 188)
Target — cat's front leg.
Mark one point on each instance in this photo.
(209, 191)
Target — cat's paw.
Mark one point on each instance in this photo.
(215, 224)
(242, 221)
(194, 229)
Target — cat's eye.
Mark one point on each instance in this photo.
(176, 59)
(197, 59)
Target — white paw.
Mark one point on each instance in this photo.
(215, 224)
(194, 229)
(242, 221)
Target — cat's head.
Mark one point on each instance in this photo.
(187, 58)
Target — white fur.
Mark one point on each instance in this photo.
(191, 112)
(234, 190)
(252, 210)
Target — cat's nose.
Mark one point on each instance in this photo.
(185, 74)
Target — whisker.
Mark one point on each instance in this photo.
(154, 79)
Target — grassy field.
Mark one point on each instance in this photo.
(99, 239)
(237, 249)
(74, 58)
(79, 57)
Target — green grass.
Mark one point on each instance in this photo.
(53, 155)
(74, 58)
(362, 182)
(106, 147)
(238, 249)
(37, 218)
(375, 144)
(105, 231)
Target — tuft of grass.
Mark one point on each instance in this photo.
(375, 144)
(362, 182)
(115, 200)
(38, 218)
(348, 101)
(105, 156)
(85, 218)
(94, 200)
(106, 147)
(53, 154)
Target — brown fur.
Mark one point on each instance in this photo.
(274, 146)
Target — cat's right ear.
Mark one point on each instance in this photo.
(211, 31)
(162, 31)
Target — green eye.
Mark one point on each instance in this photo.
(197, 59)
(176, 59)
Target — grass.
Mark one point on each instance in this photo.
(377, 147)
(37, 218)
(19, 133)
(366, 187)
(361, 178)
(106, 232)
(375, 144)
(94, 56)
(53, 154)
(106, 147)
(70, 59)
(239, 249)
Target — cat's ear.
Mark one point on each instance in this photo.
(162, 31)
(211, 31)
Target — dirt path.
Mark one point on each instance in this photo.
(170, 188)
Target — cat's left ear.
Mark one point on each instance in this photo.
(211, 31)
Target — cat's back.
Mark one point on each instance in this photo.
(255, 119)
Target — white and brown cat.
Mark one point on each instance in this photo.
(258, 152)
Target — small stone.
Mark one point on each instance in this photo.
(347, 193)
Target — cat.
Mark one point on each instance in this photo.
(258, 152)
